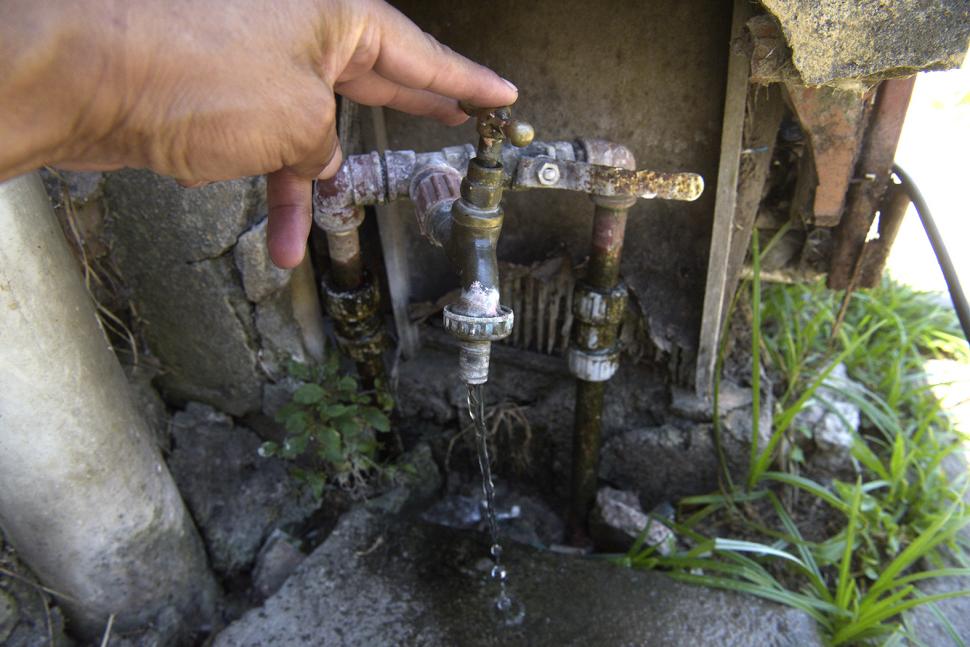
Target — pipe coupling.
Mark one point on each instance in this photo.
(354, 312)
(600, 308)
(475, 328)
(593, 366)
(475, 336)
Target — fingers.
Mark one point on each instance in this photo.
(288, 197)
(372, 89)
(317, 156)
(416, 60)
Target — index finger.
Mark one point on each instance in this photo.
(415, 59)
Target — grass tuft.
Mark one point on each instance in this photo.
(872, 541)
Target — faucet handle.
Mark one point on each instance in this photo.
(497, 123)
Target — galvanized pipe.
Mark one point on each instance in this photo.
(85, 497)
(599, 305)
(346, 267)
(350, 298)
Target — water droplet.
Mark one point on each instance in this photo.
(496, 551)
(499, 573)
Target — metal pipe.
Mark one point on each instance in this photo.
(467, 223)
(345, 262)
(85, 497)
(351, 299)
(598, 306)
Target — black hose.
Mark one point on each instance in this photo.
(957, 295)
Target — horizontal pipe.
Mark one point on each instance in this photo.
(379, 178)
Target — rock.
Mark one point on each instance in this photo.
(416, 480)
(403, 584)
(420, 472)
(236, 497)
(522, 518)
(170, 244)
(260, 277)
(277, 394)
(924, 623)
(144, 638)
(82, 186)
(829, 423)
(280, 338)
(680, 459)
(9, 616)
(455, 511)
(278, 557)
(617, 521)
(835, 40)
(687, 404)
(24, 620)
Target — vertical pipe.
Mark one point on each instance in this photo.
(85, 497)
(352, 300)
(345, 262)
(603, 277)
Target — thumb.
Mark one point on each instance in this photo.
(288, 198)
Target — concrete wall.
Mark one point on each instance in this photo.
(649, 75)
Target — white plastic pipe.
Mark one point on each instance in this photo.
(85, 497)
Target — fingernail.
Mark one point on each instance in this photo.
(511, 86)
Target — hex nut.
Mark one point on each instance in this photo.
(548, 174)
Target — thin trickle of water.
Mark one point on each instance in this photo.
(508, 609)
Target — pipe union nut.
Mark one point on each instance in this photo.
(593, 307)
(469, 328)
(351, 305)
(598, 366)
(361, 349)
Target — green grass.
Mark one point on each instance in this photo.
(895, 526)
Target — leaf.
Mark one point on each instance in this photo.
(809, 486)
(347, 425)
(376, 419)
(330, 445)
(845, 588)
(267, 449)
(286, 411)
(296, 423)
(385, 401)
(294, 446)
(334, 410)
(309, 394)
(347, 384)
(317, 483)
(298, 370)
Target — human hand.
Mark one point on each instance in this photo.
(206, 90)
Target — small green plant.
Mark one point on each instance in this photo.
(895, 526)
(331, 419)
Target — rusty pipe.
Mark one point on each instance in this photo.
(351, 299)
(599, 304)
(379, 178)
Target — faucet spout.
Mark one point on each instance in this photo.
(467, 222)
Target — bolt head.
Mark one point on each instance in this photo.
(548, 174)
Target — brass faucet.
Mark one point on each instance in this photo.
(468, 228)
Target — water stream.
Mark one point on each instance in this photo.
(509, 610)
